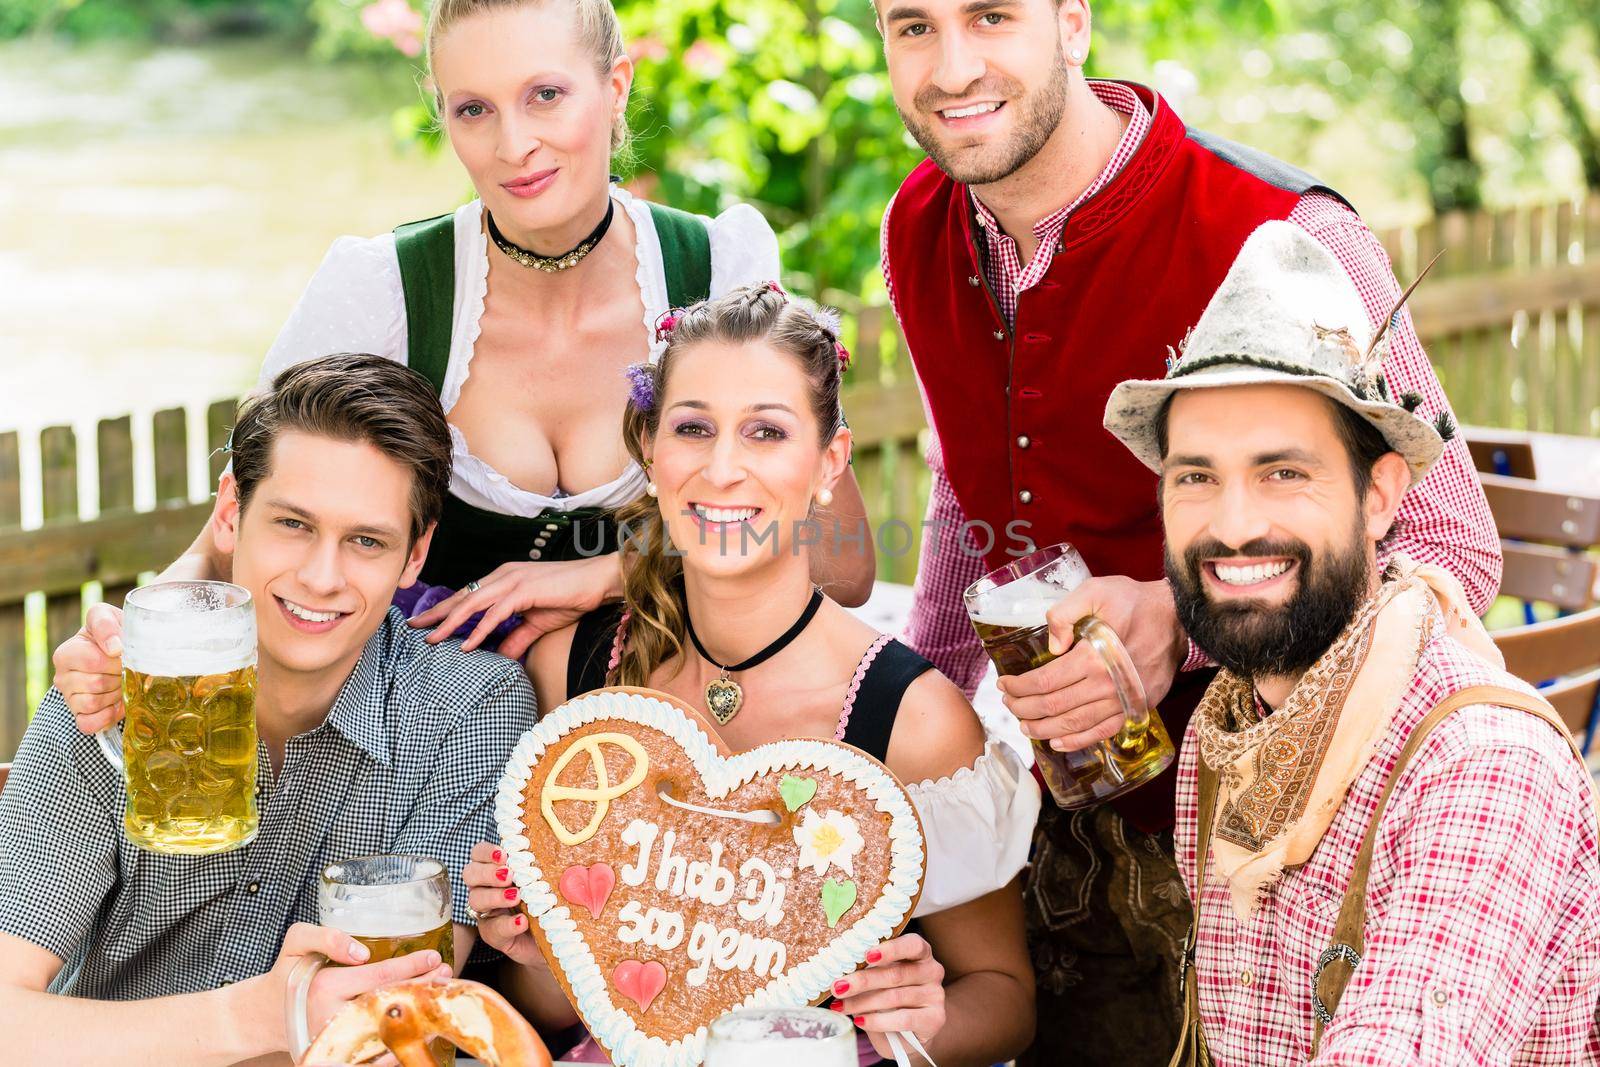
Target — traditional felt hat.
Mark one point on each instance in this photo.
(1286, 314)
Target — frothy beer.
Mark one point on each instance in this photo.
(394, 905)
(1011, 623)
(1009, 609)
(189, 737)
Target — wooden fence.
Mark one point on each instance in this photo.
(145, 477)
(1510, 317)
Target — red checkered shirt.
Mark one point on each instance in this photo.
(1483, 902)
(1443, 520)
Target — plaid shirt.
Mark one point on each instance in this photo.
(1444, 520)
(1483, 903)
(406, 762)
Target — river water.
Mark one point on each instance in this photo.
(161, 209)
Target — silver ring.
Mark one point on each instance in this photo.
(472, 913)
(472, 587)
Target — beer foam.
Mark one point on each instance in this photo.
(373, 916)
(754, 1036)
(179, 629)
(1020, 603)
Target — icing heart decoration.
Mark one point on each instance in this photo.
(639, 982)
(588, 887)
(668, 881)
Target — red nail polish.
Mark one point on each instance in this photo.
(873, 956)
(841, 986)
(860, 1020)
(497, 857)
(502, 874)
(517, 921)
(836, 1006)
(511, 894)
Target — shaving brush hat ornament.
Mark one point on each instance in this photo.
(1286, 314)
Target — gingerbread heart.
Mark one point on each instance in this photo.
(737, 880)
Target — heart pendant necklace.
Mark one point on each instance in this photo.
(724, 696)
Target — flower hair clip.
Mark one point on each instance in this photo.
(830, 323)
(642, 391)
(667, 323)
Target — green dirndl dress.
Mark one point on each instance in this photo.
(470, 541)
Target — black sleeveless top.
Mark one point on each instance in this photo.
(872, 713)
(470, 542)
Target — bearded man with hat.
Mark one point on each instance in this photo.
(1391, 843)
(1062, 235)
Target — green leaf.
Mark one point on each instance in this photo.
(837, 898)
(796, 792)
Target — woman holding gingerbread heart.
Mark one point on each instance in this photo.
(739, 427)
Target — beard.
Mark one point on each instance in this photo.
(1257, 640)
(1039, 113)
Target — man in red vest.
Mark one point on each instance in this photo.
(1062, 236)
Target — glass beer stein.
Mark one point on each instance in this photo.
(1007, 608)
(781, 1037)
(188, 742)
(394, 905)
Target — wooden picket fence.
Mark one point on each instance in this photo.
(1510, 317)
(146, 477)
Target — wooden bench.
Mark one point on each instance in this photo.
(1546, 534)
(1563, 657)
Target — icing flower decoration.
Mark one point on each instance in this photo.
(642, 395)
(829, 839)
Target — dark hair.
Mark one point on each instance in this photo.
(352, 396)
(652, 590)
(1363, 444)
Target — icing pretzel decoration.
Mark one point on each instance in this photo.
(601, 794)
(700, 881)
(404, 1018)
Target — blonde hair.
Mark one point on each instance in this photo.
(652, 572)
(598, 32)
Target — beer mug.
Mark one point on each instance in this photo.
(394, 905)
(1007, 608)
(187, 750)
(781, 1037)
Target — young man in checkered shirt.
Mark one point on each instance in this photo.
(1062, 235)
(371, 741)
(1468, 925)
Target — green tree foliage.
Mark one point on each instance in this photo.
(1409, 54)
(783, 105)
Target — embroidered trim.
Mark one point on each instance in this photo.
(855, 683)
(619, 641)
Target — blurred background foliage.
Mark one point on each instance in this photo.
(1412, 105)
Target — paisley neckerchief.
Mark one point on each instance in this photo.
(1282, 778)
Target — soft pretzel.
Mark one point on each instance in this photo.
(404, 1018)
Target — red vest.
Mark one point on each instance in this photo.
(1018, 409)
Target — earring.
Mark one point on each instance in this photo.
(650, 489)
(1076, 55)
(824, 496)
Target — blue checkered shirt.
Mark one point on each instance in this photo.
(406, 762)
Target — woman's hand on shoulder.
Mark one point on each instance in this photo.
(900, 989)
(936, 732)
(547, 595)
